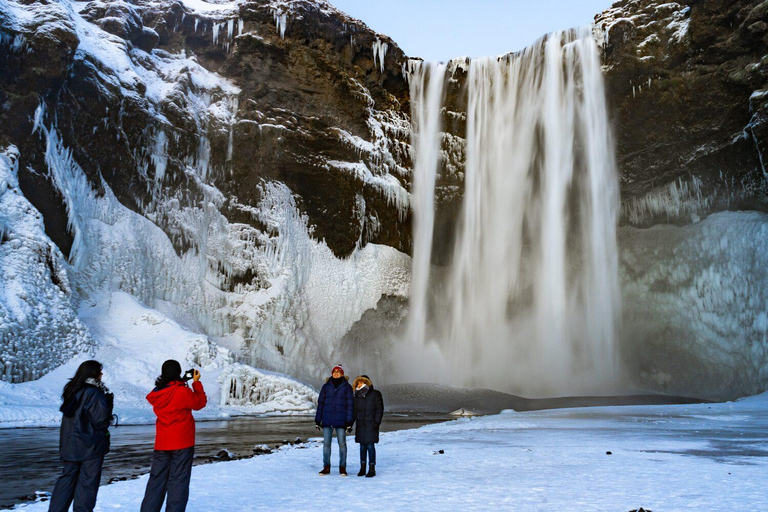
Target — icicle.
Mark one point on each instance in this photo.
(379, 53)
(281, 22)
(233, 120)
(39, 115)
(159, 155)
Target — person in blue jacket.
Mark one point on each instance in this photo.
(335, 411)
(83, 439)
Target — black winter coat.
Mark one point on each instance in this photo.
(369, 411)
(84, 425)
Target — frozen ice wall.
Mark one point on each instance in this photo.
(695, 317)
(36, 291)
(531, 301)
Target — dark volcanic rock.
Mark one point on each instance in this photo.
(679, 80)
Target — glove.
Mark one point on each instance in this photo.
(349, 429)
(318, 426)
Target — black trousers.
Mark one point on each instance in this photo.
(170, 473)
(79, 481)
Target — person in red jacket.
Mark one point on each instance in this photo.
(173, 403)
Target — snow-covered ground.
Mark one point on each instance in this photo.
(133, 341)
(663, 458)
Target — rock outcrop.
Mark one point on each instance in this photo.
(686, 84)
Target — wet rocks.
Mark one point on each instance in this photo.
(261, 449)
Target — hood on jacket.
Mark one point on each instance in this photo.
(365, 380)
(160, 397)
(69, 408)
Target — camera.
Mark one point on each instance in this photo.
(188, 375)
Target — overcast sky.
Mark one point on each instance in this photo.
(443, 29)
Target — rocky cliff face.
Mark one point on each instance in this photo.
(686, 83)
(188, 114)
(249, 163)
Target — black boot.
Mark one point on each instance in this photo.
(371, 471)
(362, 469)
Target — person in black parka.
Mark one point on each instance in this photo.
(335, 413)
(369, 411)
(83, 439)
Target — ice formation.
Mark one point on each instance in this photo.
(379, 53)
(679, 198)
(695, 304)
(244, 386)
(132, 341)
(37, 299)
(281, 22)
(533, 283)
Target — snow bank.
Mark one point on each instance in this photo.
(133, 343)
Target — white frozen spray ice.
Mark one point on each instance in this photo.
(132, 341)
(37, 299)
(694, 299)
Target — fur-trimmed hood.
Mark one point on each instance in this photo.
(364, 379)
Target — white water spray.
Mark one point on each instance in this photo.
(531, 298)
(427, 93)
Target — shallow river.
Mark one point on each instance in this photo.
(30, 461)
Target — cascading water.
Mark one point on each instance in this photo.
(530, 302)
(427, 93)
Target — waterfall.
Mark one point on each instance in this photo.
(427, 93)
(530, 299)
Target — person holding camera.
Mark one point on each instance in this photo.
(83, 439)
(335, 412)
(173, 402)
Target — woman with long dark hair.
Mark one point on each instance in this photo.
(83, 439)
(173, 403)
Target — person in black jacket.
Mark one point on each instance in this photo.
(369, 411)
(83, 439)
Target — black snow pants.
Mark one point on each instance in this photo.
(170, 473)
(79, 481)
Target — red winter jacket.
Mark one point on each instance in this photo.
(173, 405)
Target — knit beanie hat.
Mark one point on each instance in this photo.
(337, 367)
(171, 370)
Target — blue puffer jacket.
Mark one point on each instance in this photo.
(335, 405)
